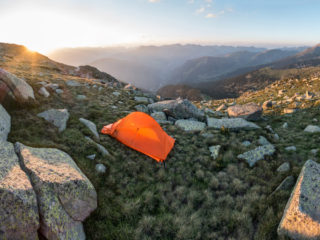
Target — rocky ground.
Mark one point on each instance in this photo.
(226, 178)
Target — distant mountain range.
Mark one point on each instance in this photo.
(148, 67)
(232, 84)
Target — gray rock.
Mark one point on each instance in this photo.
(301, 218)
(57, 117)
(214, 151)
(276, 137)
(269, 128)
(21, 91)
(285, 125)
(314, 151)
(291, 148)
(101, 148)
(161, 116)
(91, 157)
(231, 123)
(207, 135)
(263, 141)
(19, 215)
(141, 100)
(257, 154)
(92, 127)
(190, 125)
(72, 83)
(81, 97)
(59, 91)
(284, 167)
(246, 143)
(142, 108)
(178, 109)
(117, 94)
(5, 124)
(250, 111)
(65, 195)
(100, 168)
(53, 86)
(312, 129)
(43, 91)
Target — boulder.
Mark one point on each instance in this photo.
(159, 116)
(190, 125)
(92, 127)
(57, 117)
(301, 218)
(19, 218)
(231, 123)
(257, 154)
(178, 109)
(250, 111)
(15, 89)
(65, 195)
(5, 123)
(312, 129)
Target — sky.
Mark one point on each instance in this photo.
(46, 25)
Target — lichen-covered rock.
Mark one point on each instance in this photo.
(301, 218)
(190, 125)
(57, 117)
(231, 123)
(5, 123)
(257, 154)
(178, 109)
(92, 127)
(21, 91)
(214, 151)
(19, 218)
(250, 111)
(65, 195)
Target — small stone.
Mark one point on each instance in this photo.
(57, 117)
(117, 94)
(159, 116)
(190, 125)
(92, 127)
(286, 184)
(291, 148)
(263, 141)
(91, 157)
(221, 107)
(101, 148)
(285, 125)
(142, 108)
(100, 168)
(276, 137)
(81, 97)
(214, 151)
(289, 110)
(284, 167)
(269, 128)
(246, 143)
(43, 91)
(59, 91)
(257, 154)
(141, 99)
(314, 151)
(73, 83)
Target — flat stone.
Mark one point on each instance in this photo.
(101, 148)
(117, 94)
(159, 116)
(312, 129)
(59, 91)
(141, 100)
(43, 91)
(57, 117)
(263, 141)
(257, 154)
(301, 218)
(284, 167)
(178, 109)
(291, 148)
(246, 143)
(231, 123)
(91, 157)
(5, 123)
(81, 97)
(190, 125)
(65, 195)
(72, 83)
(214, 151)
(92, 127)
(19, 217)
(250, 111)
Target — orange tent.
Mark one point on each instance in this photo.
(141, 132)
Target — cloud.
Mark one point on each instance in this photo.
(211, 15)
(190, 1)
(208, 1)
(200, 10)
(153, 1)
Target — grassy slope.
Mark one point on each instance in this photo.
(194, 197)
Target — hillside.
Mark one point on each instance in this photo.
(200, 193)
(214, 68)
